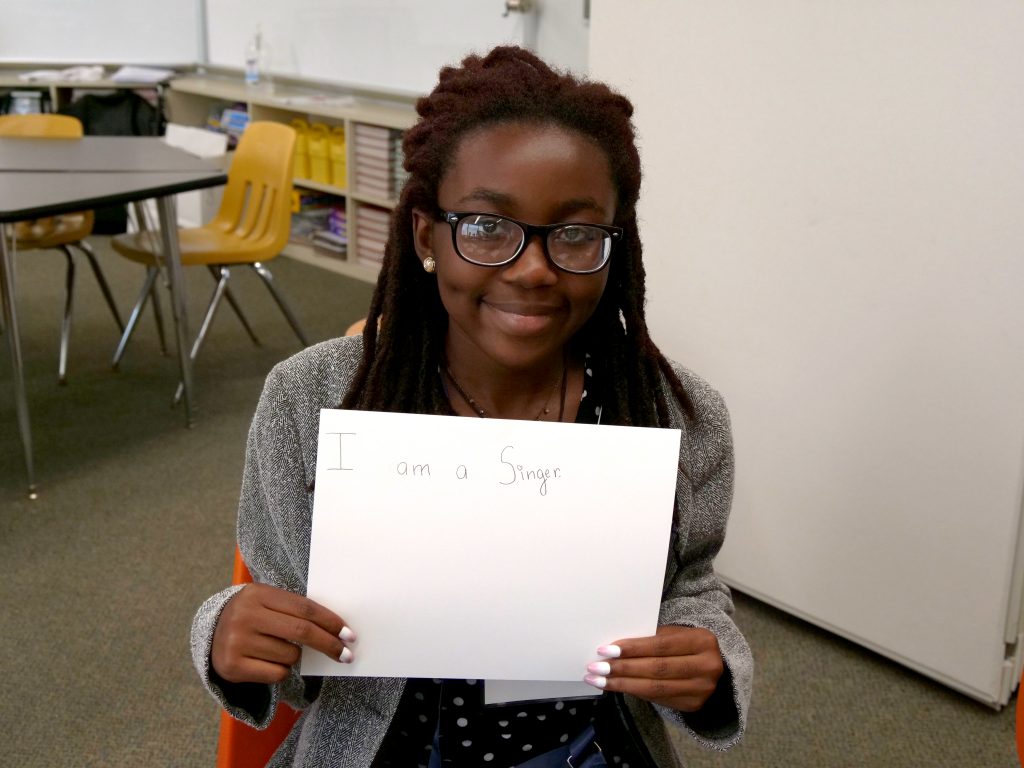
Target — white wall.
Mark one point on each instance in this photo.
(397, 44)
(562, 34)
(833, 235)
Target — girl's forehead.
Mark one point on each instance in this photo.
(497, 138)
(520, 157)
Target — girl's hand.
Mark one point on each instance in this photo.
(678, 667)
(262, 629)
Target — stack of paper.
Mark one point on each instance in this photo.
(378, 164)
(130, 74)
(373, 225)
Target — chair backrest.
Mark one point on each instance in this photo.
(256, 206)
(239, 745)
(53, 230)
(356, 328)
(40, 126)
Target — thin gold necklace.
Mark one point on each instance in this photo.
(479, 409)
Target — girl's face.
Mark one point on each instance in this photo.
(521, 315)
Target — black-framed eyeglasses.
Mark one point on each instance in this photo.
(489, 240)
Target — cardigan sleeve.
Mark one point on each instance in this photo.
(274, 515)
(694, 595)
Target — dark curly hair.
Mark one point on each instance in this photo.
(405, 330)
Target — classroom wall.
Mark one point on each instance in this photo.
(389, 44)
(833, 236)
(397, 44)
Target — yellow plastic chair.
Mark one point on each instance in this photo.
(251, 227)
(62, 232)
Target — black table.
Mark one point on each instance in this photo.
(47, 177)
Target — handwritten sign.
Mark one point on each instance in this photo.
(486, 548)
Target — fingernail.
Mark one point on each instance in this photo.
(347, 635)
(609, 651)
(346, 656)
(600, 668)
(596, 680)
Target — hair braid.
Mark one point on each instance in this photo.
(406, 324)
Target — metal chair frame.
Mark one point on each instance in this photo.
(60, 127)
(251, 213)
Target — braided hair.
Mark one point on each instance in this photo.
(405, 328)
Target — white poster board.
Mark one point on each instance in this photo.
(486, 548)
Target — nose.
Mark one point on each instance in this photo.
(532, 267)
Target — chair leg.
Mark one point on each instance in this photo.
(133, 319)
(211, 310)
(65, 327)
(230, 296)
(268, 280)
(85, 248)
(158, 315)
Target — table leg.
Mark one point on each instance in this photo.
(17, 365)
(172, 260)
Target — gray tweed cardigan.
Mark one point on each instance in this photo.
(344, 719)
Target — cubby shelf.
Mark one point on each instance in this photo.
(308, 255)
(190, 98)
(316, 186)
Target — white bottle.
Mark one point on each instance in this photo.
(253, 59)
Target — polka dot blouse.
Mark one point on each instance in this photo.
(468, 733)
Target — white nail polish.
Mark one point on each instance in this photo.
(609, 651)
(596, 680)
(599, 668)
(346, 656)
(347, 635)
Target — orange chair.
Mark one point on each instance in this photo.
(241, 746)
(63, 232)
(1020, 721)
(356, 329)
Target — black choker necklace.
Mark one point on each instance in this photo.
(479, 410)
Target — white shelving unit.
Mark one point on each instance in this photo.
(190, 98)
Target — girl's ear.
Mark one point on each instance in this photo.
(422, 233)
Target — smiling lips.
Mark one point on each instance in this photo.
(523, 318)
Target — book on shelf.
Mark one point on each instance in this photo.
(371, 158)
(364, 131)
(373, 188)
(372, 241)
(373, 232)
(366, 160)
(384, 175)
(377, 229)
(372, 143)
(369, 213)
(330, 239)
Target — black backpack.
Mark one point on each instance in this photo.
(120, 113)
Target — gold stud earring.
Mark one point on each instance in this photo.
(429, 265)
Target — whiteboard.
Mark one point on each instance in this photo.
(99, 31)
(833, 236)
(393, 44)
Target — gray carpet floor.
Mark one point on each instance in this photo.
(134, 527)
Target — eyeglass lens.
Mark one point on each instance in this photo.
(494, 240)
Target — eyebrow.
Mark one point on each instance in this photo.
(500, 199)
